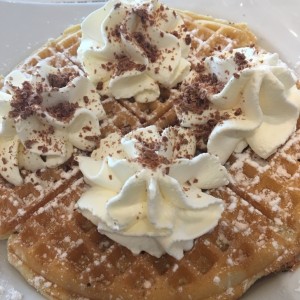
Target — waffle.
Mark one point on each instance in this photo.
(209, 34)
(19, 202)
(215, 34)
(228, 260)
(272, 186)
(63, 256)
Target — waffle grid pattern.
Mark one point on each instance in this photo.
(63, 256)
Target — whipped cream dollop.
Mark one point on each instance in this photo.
(129, 48)
(44, 115)
(241, 97)
(146, 190)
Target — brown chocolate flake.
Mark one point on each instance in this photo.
(188, 39)
(99, 86)
(194, 97)
(165, 139)
(28, 144)
(63, 111)
(240, 60)
(151, 51)
(126, 129)
(199, 67)
(124, 64)
(4, 160)
(24, 101)
(176, 33)
(43, 148)
(59, 80)
(86, 128)
(238, 112)
(117, 5)
(236, 75)
(149, 158)
(93, 138)
(116, 32)
(86, 99)
(144, 16)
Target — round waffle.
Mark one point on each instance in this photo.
(63, 256)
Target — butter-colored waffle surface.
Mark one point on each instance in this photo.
(63, 256)
(213, 34)
(19, 202)
(68, 42)
(272, 185)
(118, 118)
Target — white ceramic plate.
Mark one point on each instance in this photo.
(24, 27)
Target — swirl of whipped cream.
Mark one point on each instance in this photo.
(44, 115)
(253, 96)
(130, 47)
(146, 190)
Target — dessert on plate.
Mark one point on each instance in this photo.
(150, 153)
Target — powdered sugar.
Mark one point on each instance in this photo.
(216, 280)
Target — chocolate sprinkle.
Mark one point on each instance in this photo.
(24, 101)
(150, 50)
(63, 111)
(59, 80)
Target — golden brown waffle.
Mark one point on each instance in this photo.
(68, 42)
(118, 118)
(19, 202)
(149, 113)
(67, 258)
(273, 185)
(208, 34)
(63, 256)
(215, 34)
